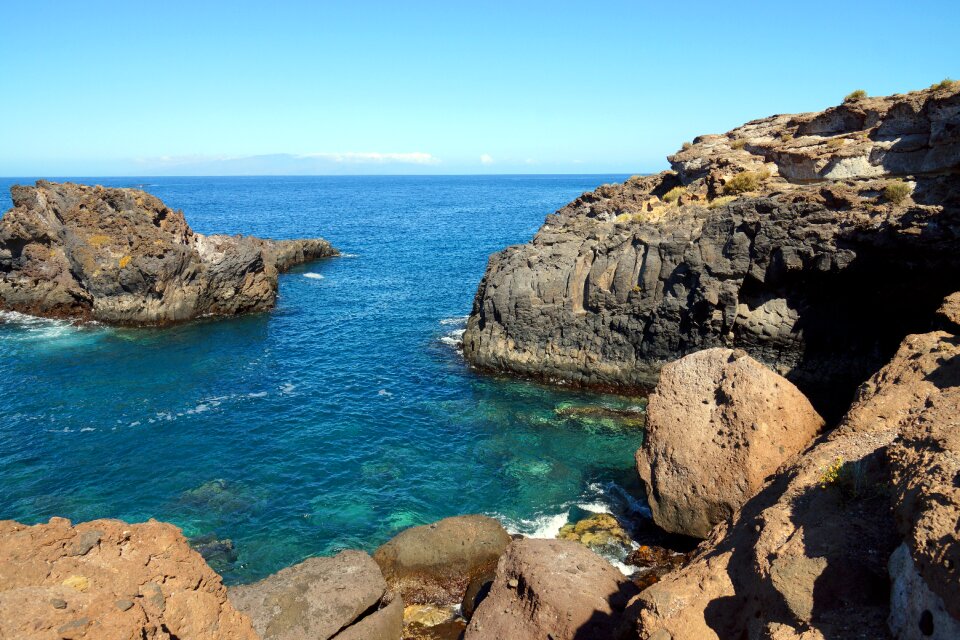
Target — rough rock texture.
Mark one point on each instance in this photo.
(555, 589)
(344, 596)
(926, 472)
(434, 563)
(121, 256)
(108, 580)
(718, 424)
(779, 240)
(808, 555)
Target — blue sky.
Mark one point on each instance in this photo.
(165, 88)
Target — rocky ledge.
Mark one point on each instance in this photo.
(121, 256)
(814, 242)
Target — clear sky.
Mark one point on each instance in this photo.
(163, 88)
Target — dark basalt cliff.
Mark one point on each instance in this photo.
(814, 241)
(121, 256)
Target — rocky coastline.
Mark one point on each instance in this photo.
(121, 256)
(790, 292)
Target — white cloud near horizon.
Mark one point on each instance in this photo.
(486, 158)
(347, 157)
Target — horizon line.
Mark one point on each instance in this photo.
(327, 175)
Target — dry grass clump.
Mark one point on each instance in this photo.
(745, 182)
(854, 96)
(739, 143)
(896, 191)
(674, 194)
(946, 83)
(721, 201)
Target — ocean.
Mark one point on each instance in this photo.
(332, 422)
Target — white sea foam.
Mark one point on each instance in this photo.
(349, 255)
(258, 394)
(287, 387)
(454, 338)
(85, 429)
(313, 276)
(384, 393)
(456, 320)
(546, 526)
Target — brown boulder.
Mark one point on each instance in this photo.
(808, 555)
(434, 563)
(343, 596)
(555, 589)
(718, 424)
(108, 580)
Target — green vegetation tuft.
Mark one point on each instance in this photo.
(854, 96)
(896, 191)
(946, 83)
(674, 194)
(745, 181)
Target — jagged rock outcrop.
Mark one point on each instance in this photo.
(434, 563)
(814, 241)
(109, 580)
(343, 597)
(121, 256)
(553, 589)
(809, 556)
(718, 424)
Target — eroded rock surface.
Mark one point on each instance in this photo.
(553, 589)
(718, 424)
(122, 256)
(108, 580)
(809, 555)
(434, 563)
(343, 597)
(779, 237)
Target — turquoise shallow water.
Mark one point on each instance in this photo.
(335, 421)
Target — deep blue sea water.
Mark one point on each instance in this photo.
(334, 421)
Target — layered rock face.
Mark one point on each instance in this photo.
(818, 552)
(108, 580)
(121, 256)
(718, 424)
(814, 241)
(343, 597)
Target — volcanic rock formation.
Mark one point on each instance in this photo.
(814, 241)
(121, 256)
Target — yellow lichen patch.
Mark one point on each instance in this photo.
(98, 240)
(124, 261)
(79, 583)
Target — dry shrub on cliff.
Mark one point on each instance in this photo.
(721, 201)
(896, 191)
(674, 194)
(946, 83)
(854, 96)
(746, 181)
(738, 144)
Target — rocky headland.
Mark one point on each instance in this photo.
(813, 241)
(121, 256)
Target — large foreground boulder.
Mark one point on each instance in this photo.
(122, 256)
(434, 563)
(343, 597)
(555, 589)
(718, 424)
(814, 241)
(813, 553)
(108, 580)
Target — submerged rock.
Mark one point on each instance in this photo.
(343, 597)
(718, 424)
(775, 237)
(121, 256)
(434, 563)
(600, 532)
(553, 589)
(632, 418)
(106, 579)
